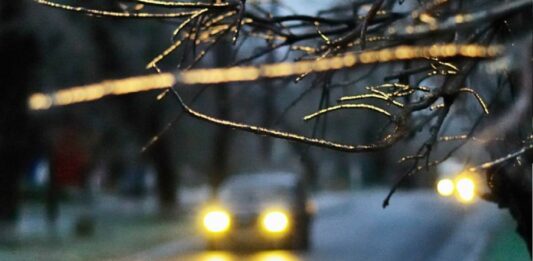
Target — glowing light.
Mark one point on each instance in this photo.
(251, 73)
(451, 50)
(216, 256)
(459, 18)
(275, 222)
(465, 189)
(275, 255)
(428, 19)
(445, 187)
(41, 101)
(217, 221)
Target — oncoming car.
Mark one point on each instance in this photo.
(265, 209)
(455, 180)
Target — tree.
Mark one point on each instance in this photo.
(15, 128)
(445, 63)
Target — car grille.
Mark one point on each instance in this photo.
(245, 221)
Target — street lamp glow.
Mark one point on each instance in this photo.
(445, 187)
(93, 92)
(465, 189)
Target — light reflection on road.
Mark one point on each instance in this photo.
(275, 255)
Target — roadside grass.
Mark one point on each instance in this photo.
(506, 245)
(110, 240)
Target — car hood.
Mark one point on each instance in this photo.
(254, 208)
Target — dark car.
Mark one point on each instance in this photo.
(266, 209)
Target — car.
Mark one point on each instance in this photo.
(455, 179)
(262, 209)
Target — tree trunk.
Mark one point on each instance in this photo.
(18, 51)
(166, 178)
(221, 142)
(511, 188)
(222, 138)
(510, 182)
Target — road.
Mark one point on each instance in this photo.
(417, 225)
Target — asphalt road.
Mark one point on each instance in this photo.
(417, 225)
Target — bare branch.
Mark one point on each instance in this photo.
(94, 12)
(348, 106)
(386, 142)
(478, 98)
(513, 155)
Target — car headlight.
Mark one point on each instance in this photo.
(465, 189)
(216, 221)
(275, 221)
(445, 187)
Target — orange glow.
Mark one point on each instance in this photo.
(42, 101)
(271, 255)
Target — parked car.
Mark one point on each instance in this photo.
(264, 209)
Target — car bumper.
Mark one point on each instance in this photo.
(251, 238)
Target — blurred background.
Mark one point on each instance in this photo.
(76, 183)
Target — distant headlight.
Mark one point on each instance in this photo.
(465, 189)
(216, 221)
(445, 187)
(275, 221)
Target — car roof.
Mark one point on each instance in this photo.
(263, 179)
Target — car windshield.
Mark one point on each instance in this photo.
(254, 189)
